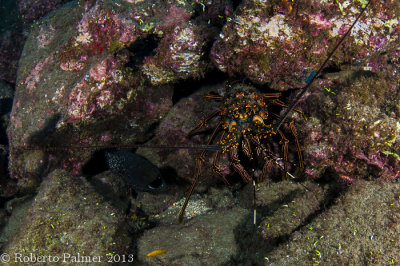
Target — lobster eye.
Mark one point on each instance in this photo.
(257, 120)
(243, 116)
(232, 125)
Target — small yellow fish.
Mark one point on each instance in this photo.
(156, 253)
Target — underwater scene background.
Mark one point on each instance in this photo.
(107, 105)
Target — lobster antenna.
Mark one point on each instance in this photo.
(131, 146)
(307, 86)
(254, 203)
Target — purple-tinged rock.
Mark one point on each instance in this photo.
(180, 53)
(279, 42)
(178, 56)
(74, 89)
(353, 127)
(34, 9)
(173, 130)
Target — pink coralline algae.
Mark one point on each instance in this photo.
(73, 87)
(82, 80)
(99, 31)
(179, 53)
(353, 130)
(178, 56)
(97, 92)
(279, 42)
(174, 17)
(36, 72)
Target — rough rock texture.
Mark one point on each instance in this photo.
(282, 208)
(353, 127)
(361, 227)
(103, 75)
(183, 117)
(67, 216)
(297, 223)
(280, 43)
(6, 98)
(205, 240)
(73, 90)
(14, 214)
(31, 10)
(179, 54)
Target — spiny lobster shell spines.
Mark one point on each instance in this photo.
(243, 116)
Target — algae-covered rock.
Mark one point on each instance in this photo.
(68, 217)
(362, 227)
(279, 42)
(353, 126)
(74, 87)
(207, 239)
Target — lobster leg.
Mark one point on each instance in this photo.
(266, 169)
(282, 104)
(294, 132)
(247, 148)
(285, 143)
(214, 97)
(237, 166)
(268, 164)
(203, 123)
(215, 167)
(199, 161)
(272, 95)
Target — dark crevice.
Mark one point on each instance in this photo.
(236, 4)
(189, 86)
(141, 48)
(96, 164)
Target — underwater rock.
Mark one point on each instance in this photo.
(6, 99)
(74, 88)
(67, 216)
(353, 128)
(6, 96)
(11, 44)
(34, 9)
(172, 131)
(362, 226)
(208, 239)
(113, 188)
(179, 56)
(138, 172)
(279, 43)
(17, 209)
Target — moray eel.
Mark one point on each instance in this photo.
(139, 173)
